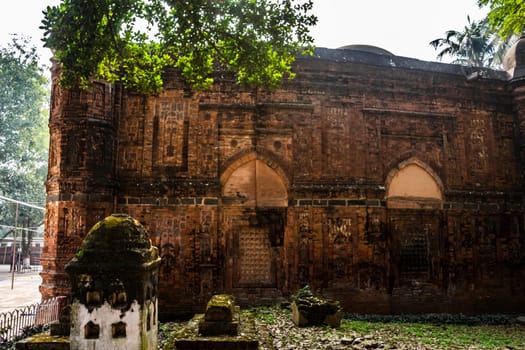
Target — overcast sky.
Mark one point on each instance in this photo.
(403, 27)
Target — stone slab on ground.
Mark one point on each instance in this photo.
(189, 339)
(43, 341)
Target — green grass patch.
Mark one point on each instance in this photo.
(444, 335)
(429, 331)
(269, 315)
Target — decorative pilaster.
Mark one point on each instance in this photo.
(80, 182)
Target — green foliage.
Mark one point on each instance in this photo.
(304, 292)
(442, 336)
(167, 334)
(265, 315)
(269, 314)
(133, 41)
(24, 136)
(476, 45)
(441, 330)
(507, 17)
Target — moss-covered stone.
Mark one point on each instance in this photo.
(311, 310)
(220, 308)
(246, 338)
(43, 341)
(118, 241)
(116, 263)
(221, 317)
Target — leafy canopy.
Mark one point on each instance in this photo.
(476, 45)
(133, 41)
(24, 135)
(507, 17)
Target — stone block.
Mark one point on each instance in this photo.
(310, 310)
(59, 328)
(221, 317)
(43, 341)
(220, 308)
(298, 317)
(207, 328)
(245, 339)
(334, 320)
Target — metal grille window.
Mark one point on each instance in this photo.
(414, 255)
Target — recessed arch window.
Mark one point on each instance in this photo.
(255, 183)
(413, 185)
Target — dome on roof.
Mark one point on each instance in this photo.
(367, 48)
(514, 60)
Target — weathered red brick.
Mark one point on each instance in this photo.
(257, 193)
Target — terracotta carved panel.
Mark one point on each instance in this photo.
(171, 133)
(254, 264)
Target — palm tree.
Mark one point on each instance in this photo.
(477, 45)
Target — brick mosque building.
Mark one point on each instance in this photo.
(388, 183)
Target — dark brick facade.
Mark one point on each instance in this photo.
(391, 184)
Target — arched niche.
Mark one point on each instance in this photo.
(414, 184)
(252, 182)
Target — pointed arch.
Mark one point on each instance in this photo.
(413, 184)
(255, 181)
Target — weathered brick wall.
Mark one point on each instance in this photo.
(258, 193)
(80, 184)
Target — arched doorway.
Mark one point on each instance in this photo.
(414, 198)
(254, 197)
